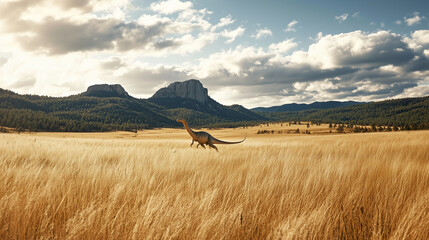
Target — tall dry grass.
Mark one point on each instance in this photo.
(361, 186)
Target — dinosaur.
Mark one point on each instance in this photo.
(204, 137)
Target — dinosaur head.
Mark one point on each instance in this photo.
(181, 120)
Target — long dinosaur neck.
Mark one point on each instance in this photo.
(192, 133)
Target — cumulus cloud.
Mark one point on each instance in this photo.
(359, 48)
(284, 46)
(260, 33)
(291, 26)
(419, 39)
(233, 62)
(249, 66)
(37, 10)
(198, 18)
(170, 6)
(413, 20)
(231, 35)
(151, 34)
(225, 21)
(352, 66)
(417, 91)
(62, 36)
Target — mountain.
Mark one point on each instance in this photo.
(303, 106)
(191, 89)
(192, 96)
(105, 90)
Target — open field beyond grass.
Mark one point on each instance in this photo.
(152, 185)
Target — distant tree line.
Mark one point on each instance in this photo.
(377, 128)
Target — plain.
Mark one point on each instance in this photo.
(152, 185)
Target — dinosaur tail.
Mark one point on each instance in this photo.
(217, 141)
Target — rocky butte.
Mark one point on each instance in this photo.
(191, 89)
(106, 90)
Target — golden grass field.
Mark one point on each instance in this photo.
(152, 185)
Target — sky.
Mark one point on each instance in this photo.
(253, 53)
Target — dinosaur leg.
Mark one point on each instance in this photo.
(201, 144)
(213, 146)
(192, 142)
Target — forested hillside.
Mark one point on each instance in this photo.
(409, 113)
(104, 113)
(78, 113)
